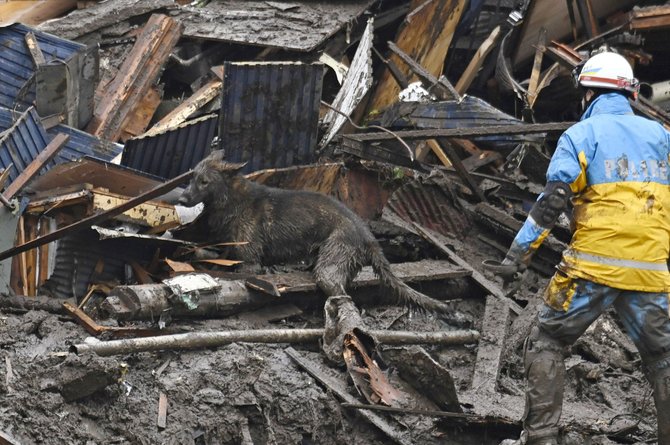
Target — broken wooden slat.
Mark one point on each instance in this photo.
(136, 76)
(161, 422)
(36, 165)
(426, 36)
(477, 60)
(489, 351)
(183, 111)
(95, 219)
(537, 66)
(340, 389)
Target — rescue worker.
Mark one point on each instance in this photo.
(613, 167)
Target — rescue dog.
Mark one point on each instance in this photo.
(283, 226)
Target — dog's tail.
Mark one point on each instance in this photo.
(404, 294)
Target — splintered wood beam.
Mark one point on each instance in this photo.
(36, 165)
(137, 75)
(462, 171)
(199, 99)
(95, 219)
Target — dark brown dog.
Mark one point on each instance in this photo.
(290, 226)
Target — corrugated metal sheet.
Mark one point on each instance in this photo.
(173, 152)
(76, 258)
(24, 140)
(16, 64)
(431, 205)
(25, 137)
(269, 113)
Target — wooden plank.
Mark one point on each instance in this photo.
(95, 219)
(33, 12)
(30, 222)
(425, 36)
(138, 120)
(477, 60)
(537, 66)
(199, 99)
(161, 422)
(43, 254)
(137, 75)
(489, 351)
(36, 165)
(340, 389)
(149, 214)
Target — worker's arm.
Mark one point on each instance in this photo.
(566, 176)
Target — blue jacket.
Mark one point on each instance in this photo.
(617, 165)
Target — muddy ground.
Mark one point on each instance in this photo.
(256, 394)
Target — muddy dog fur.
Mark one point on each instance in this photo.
(284, 226)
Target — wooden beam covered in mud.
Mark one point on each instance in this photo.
(137, 75)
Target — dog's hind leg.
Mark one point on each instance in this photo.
(336, 265)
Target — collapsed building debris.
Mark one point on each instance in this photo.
(434, 121)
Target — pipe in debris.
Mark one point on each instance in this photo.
(656, 92)
(196, 340)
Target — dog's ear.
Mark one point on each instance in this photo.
(234, 167)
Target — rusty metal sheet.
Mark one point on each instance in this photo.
(301, 26)
(269, 113)
(360, 188)
(431, 205)
(172, 152)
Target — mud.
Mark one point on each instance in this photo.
(255, 394)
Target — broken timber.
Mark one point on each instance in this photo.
(199, 340)
(136, 76)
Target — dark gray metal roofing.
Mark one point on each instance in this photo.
(26, 137)
(173, 152)
(16, 63)
(269, 113)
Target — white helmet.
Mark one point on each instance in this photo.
(608, 70)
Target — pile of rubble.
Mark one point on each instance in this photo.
(433, 120)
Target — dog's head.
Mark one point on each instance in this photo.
(211, 180)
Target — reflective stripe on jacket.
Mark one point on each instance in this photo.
(616, 163)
